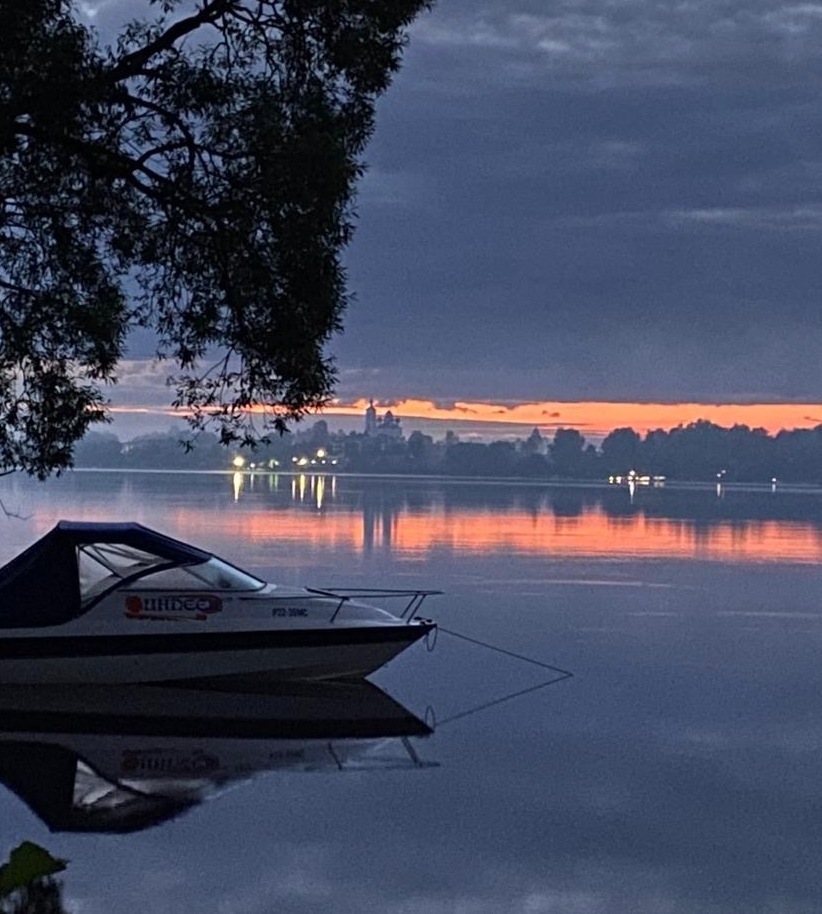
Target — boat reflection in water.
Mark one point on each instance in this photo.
(125, 758)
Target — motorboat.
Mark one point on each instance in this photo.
(122, 758)
(121, 603)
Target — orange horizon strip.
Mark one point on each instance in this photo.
(596, 418)
(599, 417)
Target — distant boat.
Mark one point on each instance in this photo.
(120, 603)
(633, 478)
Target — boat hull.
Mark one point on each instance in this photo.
(297, 654)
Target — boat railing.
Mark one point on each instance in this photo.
(414, 598)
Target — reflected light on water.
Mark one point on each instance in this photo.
(395, 526)
(597, 535)
(319, 512)
(678, 771)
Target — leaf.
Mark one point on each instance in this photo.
(27, 862)
(196, 179)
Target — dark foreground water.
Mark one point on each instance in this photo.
(679, 770)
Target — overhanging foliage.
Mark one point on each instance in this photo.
(195, 178)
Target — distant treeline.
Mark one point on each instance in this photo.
(700, 451)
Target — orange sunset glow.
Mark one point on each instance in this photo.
(594, 419)
(478, 532)
(597, 418)
(316, 521)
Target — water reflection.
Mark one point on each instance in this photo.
(122, 759)
(309, 488)
(679, 771)
(418, 517)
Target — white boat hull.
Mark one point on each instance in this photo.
(295, 655)
(102, 603)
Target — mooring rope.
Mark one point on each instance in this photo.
(501, 650)
(562, 674)
(497, 701)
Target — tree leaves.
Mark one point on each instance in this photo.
(27, 863)
(195, 179)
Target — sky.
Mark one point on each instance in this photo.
(589, 201)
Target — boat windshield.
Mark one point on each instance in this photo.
(102, 565)
(215, 574)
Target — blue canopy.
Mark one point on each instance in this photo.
(41, 586)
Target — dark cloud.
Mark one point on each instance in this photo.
(590, 200)
(624, 199)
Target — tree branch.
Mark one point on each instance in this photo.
(131, 64)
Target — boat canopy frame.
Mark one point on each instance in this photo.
(41, 586)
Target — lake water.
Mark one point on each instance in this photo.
(678, 770)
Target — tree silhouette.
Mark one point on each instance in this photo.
(567, 451)
(209, 158)
(621, 451)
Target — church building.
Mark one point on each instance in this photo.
(388, 426)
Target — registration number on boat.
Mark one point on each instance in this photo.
(290, 612)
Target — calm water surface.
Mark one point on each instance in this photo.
(679, 770)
